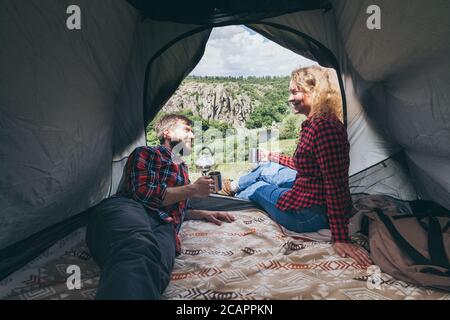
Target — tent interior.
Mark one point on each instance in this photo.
(75, 103)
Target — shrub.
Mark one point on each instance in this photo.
(221, 126)
(290, 127)
(152, 140)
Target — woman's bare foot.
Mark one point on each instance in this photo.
(227, 189)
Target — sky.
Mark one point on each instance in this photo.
(239, 51)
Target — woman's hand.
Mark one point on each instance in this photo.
(353, 251)
(263, 155)
(215, 217)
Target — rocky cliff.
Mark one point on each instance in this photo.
(229, 102)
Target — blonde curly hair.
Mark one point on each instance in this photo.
(323, 87)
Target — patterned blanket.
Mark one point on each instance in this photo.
(251, 258)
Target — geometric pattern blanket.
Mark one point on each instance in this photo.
(251, 258)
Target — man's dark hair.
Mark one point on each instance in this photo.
(167, 121)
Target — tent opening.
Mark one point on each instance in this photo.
(237, 98)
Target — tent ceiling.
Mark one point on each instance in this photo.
(222, 11)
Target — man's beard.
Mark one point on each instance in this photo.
(179, 147)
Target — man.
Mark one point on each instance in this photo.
(133, 236)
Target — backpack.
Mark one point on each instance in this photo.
(415, 247)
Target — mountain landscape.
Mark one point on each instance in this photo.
(239, 102)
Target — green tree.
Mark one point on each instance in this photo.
(221, 126)
(263, 116)
(290, 126)
(152, 140)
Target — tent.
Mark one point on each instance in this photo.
(75, 103)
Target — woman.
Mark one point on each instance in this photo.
(309, 191)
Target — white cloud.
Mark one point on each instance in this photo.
(238, 51)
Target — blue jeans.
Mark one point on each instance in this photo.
(266, 184)
(271, 173)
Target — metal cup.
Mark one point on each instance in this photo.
(216, 176)
(254, 155)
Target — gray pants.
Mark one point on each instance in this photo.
(134, 249)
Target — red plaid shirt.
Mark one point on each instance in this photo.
(149, 171)
(322, 161)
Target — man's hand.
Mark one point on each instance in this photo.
(199, 189)
(353, 251)
(215, 217)
(202, 188)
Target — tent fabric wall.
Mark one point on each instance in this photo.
(58, 88)
(166, 71)
(207, 12)
(407, 63)
(390, 177)
(131, 113)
